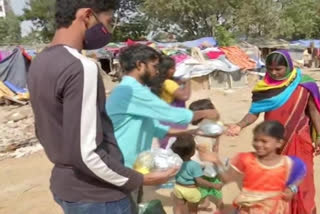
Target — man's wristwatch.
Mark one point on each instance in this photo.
(293, 188)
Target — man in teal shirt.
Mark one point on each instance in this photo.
(135, 111)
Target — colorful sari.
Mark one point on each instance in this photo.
(287, 102)
(263, 186)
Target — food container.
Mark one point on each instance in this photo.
(211, 128)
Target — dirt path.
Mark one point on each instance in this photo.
(24, 182)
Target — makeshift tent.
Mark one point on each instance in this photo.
(4, 54)
(209, 68)
(238, 57)
(206, 41)
(14, 68)
(309, 53)
(203, 61)
(307, 43)
(266, 46)
(253, 52)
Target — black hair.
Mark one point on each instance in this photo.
(184, 146)
(137, 53)
(166, 63)
(204, 104)
(66, 9)
(276, 58)
(270, 128)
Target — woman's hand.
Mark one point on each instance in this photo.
(317, 147)
(287, 195)
(233, 130)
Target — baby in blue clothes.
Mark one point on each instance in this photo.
(186, 193)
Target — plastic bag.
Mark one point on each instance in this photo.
(144, 163)
(157, 160)
(165, 159)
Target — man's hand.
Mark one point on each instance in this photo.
(212, 114)
(173, 132)
(159, 177)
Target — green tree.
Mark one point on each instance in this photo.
(195, 18)
(223, 36)
(130, 22)
(10, 31)
(41, 13)
(300, 19)
(258, 18)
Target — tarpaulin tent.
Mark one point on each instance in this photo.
(14, 68)
(239, 58)
(4, 54)
(307, 43)
(208, 41)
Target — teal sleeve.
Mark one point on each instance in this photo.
(145, 104)
(196, 169)
(160, 130)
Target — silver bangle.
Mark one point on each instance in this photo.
(293, 188)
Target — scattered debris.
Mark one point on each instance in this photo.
(17, 132)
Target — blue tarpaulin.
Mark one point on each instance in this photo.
(191, 44)
(196, 43)
(306, 43)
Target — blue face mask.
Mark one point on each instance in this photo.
(96, 37)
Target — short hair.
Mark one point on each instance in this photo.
(137, 53)
(203, 104)
(270, 128)
(66, 9)
(184, 146)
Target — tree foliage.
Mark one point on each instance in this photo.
(196, 18)
(130, 22)
(41, 13)
(301, 19)
(287, 19)
(10, 31)
(190, 19)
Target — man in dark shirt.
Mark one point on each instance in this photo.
(68, 97)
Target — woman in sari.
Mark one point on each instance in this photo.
(293, 99)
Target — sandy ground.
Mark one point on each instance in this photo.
(24, 182)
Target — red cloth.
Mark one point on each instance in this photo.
(214, 54)
(130, 42)
(299, 143)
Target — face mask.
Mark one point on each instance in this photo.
(96, 37)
